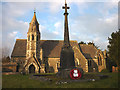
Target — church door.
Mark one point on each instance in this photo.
(31, 69)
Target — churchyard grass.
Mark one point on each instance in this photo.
(23, 81)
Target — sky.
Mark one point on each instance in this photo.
(92, 21)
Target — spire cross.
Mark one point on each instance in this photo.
(65, 8)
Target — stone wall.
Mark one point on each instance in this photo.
(103, 66)
(20, 61)
(9, 66)
(53, 64)
(95, 67)
(80, 59)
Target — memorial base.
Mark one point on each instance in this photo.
(65, 73)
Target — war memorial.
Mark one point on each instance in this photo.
(56, 62)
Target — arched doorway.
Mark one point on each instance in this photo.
(31, 69)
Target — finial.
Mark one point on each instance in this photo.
(65, 2)
(34, 10)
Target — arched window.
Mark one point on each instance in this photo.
(37, 37)
(29, 38)
(89, 62)
(32, 37)
(99, 60)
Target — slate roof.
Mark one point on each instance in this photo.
(89, 51)
(19, 48)
(51, 48)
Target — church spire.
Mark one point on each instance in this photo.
(33, 38)
(34, 19)
(66, 30)
(34, 25)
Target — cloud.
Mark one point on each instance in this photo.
(87, 21)
(55, 7)
(60, 0)
(55, 32)
(94, 28)
(57, 24)
(13, 34)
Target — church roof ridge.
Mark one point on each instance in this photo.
(59, 40)
(49, 40)
(21, 39)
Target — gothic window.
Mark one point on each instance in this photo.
(37, 37)
(58, 65)
(89, 62)
(29, 38)
(99, 60)
(32, 37)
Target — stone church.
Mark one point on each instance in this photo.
(34, 55)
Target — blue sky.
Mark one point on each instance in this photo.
(88, 21)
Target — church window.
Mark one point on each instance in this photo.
(58, 65)
(89, 62)
(37, 37)
(99, 60)
(32, 37)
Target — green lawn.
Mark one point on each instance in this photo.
(23, 81)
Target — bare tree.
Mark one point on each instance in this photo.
(5, 54)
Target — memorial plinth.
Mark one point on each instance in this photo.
(67, 58)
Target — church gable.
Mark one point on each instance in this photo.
(32, 60)
(19, 49)
(89, 51)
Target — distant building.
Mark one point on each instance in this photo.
(43, 56)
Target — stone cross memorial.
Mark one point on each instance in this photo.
(67, 62)
(67, 54)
